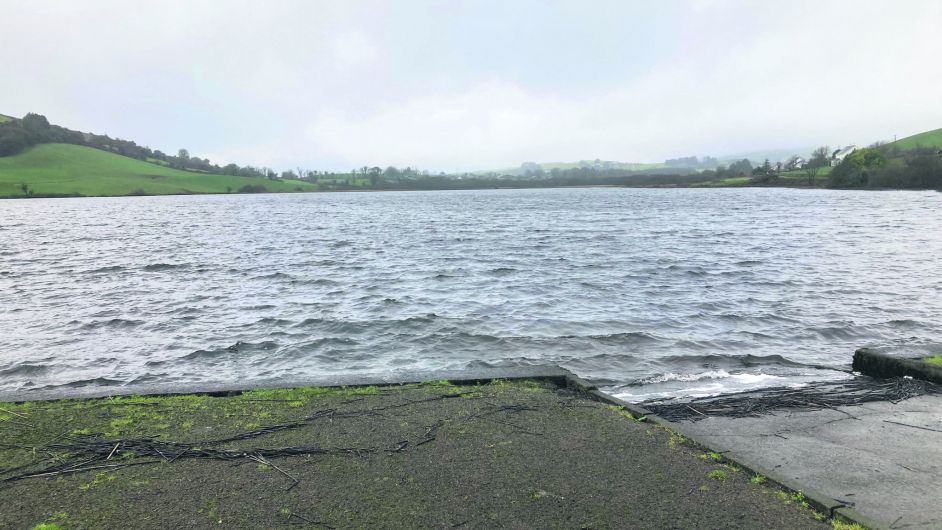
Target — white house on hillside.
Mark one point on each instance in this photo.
(838, 156)
(795, 162)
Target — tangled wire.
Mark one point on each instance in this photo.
(814, 396)
(87, 453)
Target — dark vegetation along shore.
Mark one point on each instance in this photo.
(39, 159)
(513, 454)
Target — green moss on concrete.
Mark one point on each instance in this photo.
(935, 359)
(842, 525)
(718, 474)
(513, 453)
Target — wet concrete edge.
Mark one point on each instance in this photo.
(876, 363)
(551, 373)
(469, 376)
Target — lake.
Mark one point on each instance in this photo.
(647, 292)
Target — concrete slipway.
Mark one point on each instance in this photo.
(543, 448)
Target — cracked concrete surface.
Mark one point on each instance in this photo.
(883, 459)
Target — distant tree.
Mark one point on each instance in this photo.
(375, 173)
(183, 155)
(13, 139)
(765, 168)
(392, 173)
(924, 169)
(820, 157)
(764, 173)
(856, 168)
(35, 123)
(811, 172)
(740, 168)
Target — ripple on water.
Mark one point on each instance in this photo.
(650, 292)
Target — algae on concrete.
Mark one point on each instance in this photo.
(517, 454)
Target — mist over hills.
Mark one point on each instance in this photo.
(932, 138)
(39, 159)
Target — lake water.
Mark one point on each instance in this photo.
(649, 292)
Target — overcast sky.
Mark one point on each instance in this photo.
(463, 85)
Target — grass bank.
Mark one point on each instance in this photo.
(74, 170)
(925, 139)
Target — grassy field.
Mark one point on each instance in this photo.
(4, 118)
(800, 173)
(786, 178)
(731, 181)
(925, 139)
(64, 169)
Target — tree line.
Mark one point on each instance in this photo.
(881, 165)
(887, 166)
(878, 166)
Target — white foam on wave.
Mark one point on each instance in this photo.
(705, 384)
(670, 376)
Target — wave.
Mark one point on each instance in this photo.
(238, 347)
(115, 323)
(710, 374)
(316, 281)
(100, 270)
(96, 381)
(835, 332)
(21, 370)
(273, 276)
(628, 337)
(330, 341)
(148, 378)
(729, 361)
(356, 326)
(271, 321)
(156, 267)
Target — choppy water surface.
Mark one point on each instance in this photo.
(648, 292)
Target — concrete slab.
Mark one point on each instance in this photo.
(519, 454)
(896, 363)
(883, 460)
(546, 372)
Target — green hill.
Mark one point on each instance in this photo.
(66, 169)
(925, 139)
(4, 119)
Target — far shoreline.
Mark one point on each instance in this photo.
(582, 186)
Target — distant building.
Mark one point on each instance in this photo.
(795, 162)
(838, 156)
